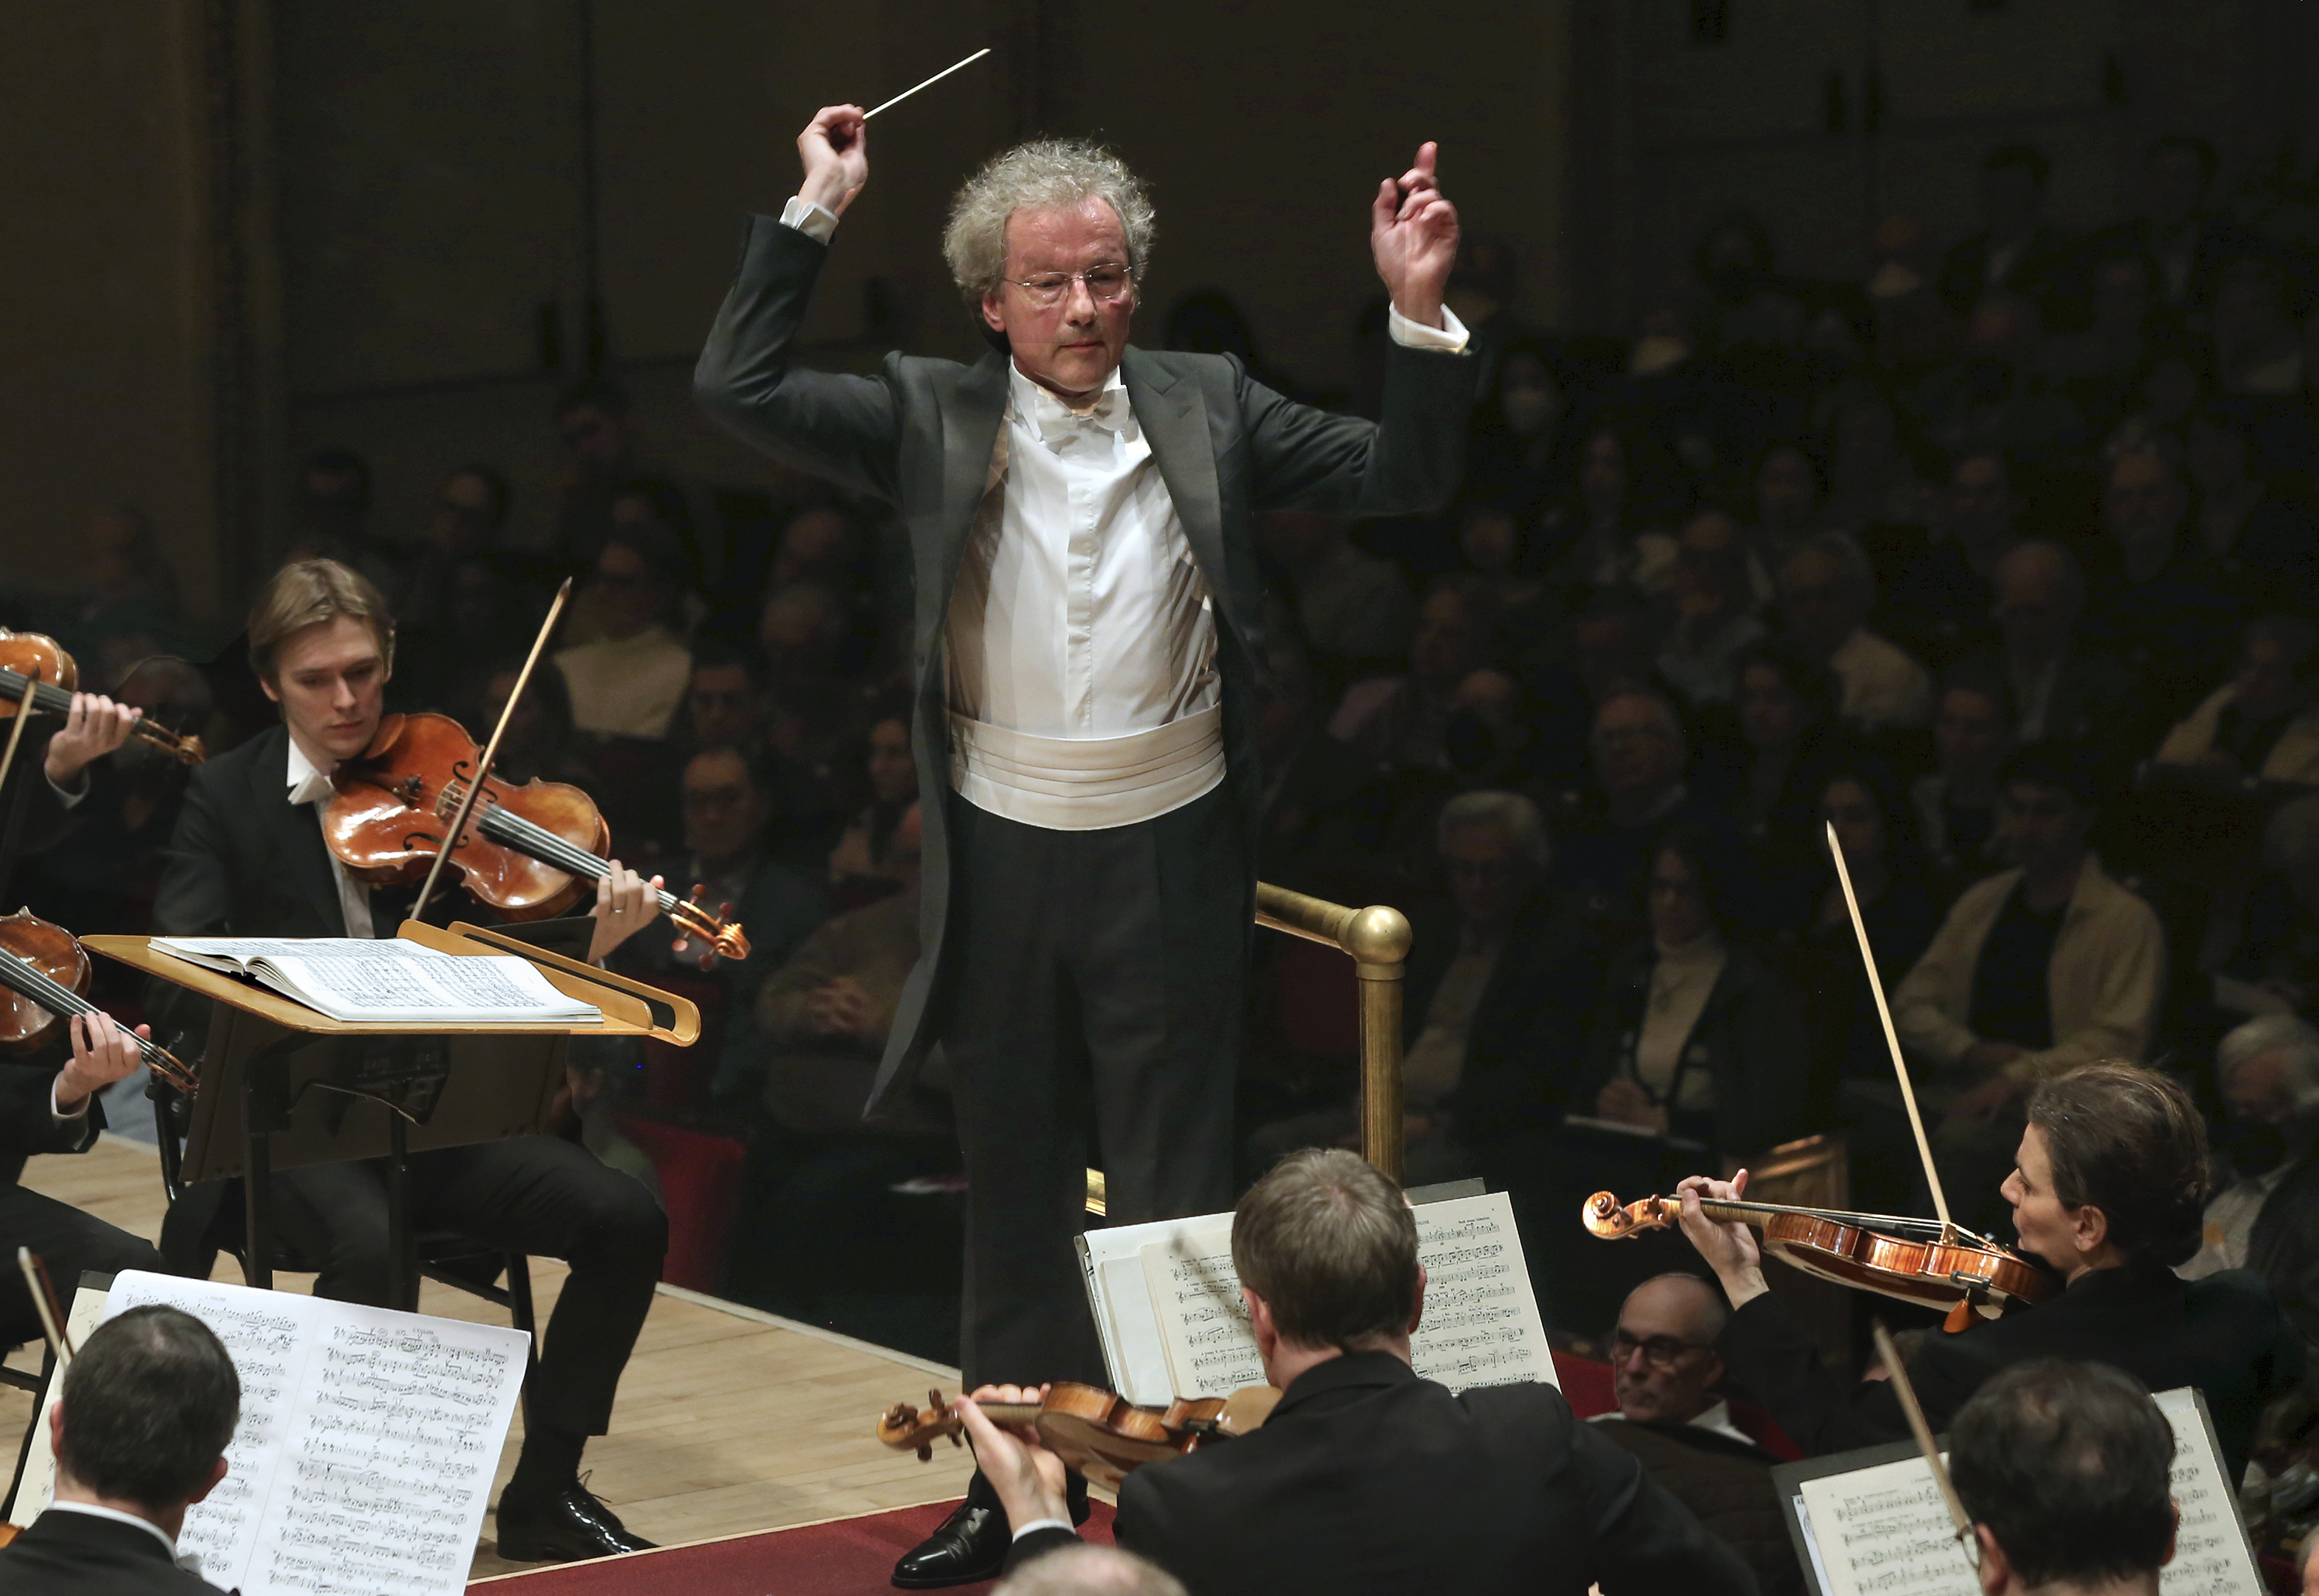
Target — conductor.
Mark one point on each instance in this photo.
(1085, 653)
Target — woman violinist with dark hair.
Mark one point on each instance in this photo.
(2108, 1191)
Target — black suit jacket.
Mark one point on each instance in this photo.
(921, 437)
(2036, 271)
(27, 1126)
(2224, 1334)
(1367, 1478)
(76, 1554)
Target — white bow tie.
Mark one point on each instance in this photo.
(1056, 421)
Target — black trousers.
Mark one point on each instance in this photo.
(538, 1194)
(70, 1242)
(1095, 982)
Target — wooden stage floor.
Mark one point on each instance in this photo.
(729, 1421)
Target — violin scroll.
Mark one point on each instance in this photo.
(907, 1429)
(716, 928)
(1604, 1217)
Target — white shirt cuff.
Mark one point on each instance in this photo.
(67, 795)
(58, 1115)
(1064, 1524)
(809, 219)
(1449, 338)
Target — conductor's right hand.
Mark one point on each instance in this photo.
(835, 150)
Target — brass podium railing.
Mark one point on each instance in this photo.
(1376, 939)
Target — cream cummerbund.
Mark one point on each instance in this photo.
(1087, 783)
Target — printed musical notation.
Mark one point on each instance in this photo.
(1885, 1531)
(1481, 1324)
(364, 1457)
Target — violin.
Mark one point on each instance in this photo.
(1102, 1435)
(32, 666)
(45, 972)
(1912, 1260)
(530, 852)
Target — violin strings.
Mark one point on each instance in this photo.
(28, 979)
(543, 844)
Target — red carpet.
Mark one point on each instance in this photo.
(847, 1557)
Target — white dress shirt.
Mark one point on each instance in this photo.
(310, 784)
(1081, 646)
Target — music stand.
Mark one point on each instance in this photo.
(282, 1086)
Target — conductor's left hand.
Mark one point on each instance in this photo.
(1029, 1479)
(1413, 235)
(626, 903)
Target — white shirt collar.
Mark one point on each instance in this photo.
(1053, 420)
(1718, 1419)
(308, 783)
(92, 1510)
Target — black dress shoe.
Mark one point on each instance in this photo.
(969, 1545)
(564, 1527)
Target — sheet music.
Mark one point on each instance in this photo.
(38, 1482)
(1481, 1325)
(388, 980)
(363, 1458)
(219, 952)
(1885, 1531)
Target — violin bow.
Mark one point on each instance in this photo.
(12, 825)
(1914, 1410)
(492, 749)
(44, 1298)
(1891, 1037)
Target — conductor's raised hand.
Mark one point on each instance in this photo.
(835, 150)
(1413, 236)
(1727, 1248)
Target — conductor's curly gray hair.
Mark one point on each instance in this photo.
(1045, 173)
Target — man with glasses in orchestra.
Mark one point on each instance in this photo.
(1078, 513)
(1665, 1372)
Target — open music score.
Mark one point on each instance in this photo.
(363, 1458)
(1883, 1530)
(1167, 1301)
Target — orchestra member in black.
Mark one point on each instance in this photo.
(2109, 1192)
(248, 860)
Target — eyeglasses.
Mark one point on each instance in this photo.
(1661, 1352)
(1106, 283)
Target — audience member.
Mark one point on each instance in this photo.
(2279, 952)
(824, 1017)
(1529, 628)
(2039, 968)
(1771, 780)
(469, 520)
(1956, 802)
(1366, 1477)
(859, 863)
(2059, 688)
(1696, 1040)
(1991, 397)
(630, 680)
(1500, 983)
(1638, 757)
(2263, 721)
(2014, 252)
(724, 696)
(604, 445)
(1399, 720)
(2066, 1471)
(139, 1436)
(1665, 1372)
(2266, 1218)
(1353, 608)
(728, 810)
(1788, 487)
(1871, 481)
(2101, 366)
(2263, 541)
(1714, 607)
(329, 513)
(1864, 804)
(128, 598)
(1826, 590)
(2158, 601)
(2107, 1188)
(1942, 599)
(1601, 536)
(2257, 347)
(1322, 805)
(2188, 243)
(1517, 443)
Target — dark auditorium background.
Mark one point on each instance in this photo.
(274, 276)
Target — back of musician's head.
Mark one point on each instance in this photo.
(1331, 1246)
(1090, 1571)
(149, 1402)
(2066, 1467)
(2129, 1141)
(311, 593)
